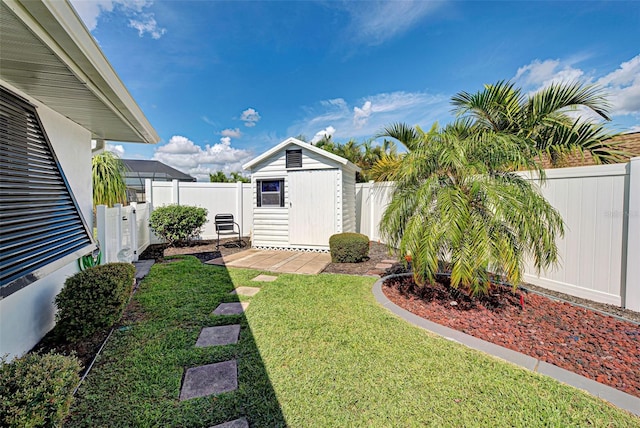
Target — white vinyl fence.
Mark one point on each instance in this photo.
(600, 252)
(123, 232)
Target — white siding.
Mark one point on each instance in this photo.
(270, 224)
(348, 201)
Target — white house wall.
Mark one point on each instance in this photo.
(28, 314)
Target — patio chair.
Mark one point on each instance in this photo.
(225, 225)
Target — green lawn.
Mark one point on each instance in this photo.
(314, 351)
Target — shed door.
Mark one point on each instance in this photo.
(312, 206)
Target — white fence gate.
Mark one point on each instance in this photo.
(123, 232)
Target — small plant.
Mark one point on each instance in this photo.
(349, 247)
(176, 223)
(36, 390)
(93, 299)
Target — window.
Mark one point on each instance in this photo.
(270, 193)
(41, 228)
(294, 158)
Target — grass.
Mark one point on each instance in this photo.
(314, 351)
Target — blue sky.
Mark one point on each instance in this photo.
(223, 81)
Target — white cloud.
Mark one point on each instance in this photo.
(374, 22)
(145, 22)
(233, 133)
(622, 85)
(371, 114)
(323, 133)
(250, 117)
(118, 149)
(188, 157)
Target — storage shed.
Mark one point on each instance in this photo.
(301, 196)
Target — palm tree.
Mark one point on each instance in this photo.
(109, 185)
(542, 118)
(458, 200)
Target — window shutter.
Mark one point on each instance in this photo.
(259, 187)
(294, 158)
(282, 193)
(40, 222)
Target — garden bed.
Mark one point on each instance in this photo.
(579, 339)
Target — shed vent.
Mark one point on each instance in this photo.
(294, 158)
(40, 223)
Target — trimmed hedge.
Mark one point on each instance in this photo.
(93, 299)
(37, 390)
(349, 247)
(176, 223)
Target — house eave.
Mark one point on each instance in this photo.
(48, 53)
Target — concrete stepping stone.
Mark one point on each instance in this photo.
(222, 335)
(238, 423)
(389, 261)
(233, 308)
(265, 278)
(246, 291)
(210, 379)
(383, 266)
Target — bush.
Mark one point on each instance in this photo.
(349, 247)
(177, 223)
(93, 299)
(37, 390)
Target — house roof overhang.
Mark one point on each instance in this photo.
(294, 141)
(48, 53)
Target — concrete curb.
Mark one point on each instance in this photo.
(618, 398)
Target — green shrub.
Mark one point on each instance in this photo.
(93, 299)
(177, 223)
(37, 390)
(349, 247)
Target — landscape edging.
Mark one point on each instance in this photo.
(616, 397)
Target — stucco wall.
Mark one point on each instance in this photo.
(28, 314)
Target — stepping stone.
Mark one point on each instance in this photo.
(210, 379)
(234, 308)
(389, 261)
(383, 266)
(238, 423)
(265, 278)
(246, 291)
(222, 335)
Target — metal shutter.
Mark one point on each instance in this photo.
(40, 222)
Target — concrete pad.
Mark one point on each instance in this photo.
(265, 278)
(222, 335)
(210, 379)
(246, 291)
(238, 423)
(234, 308)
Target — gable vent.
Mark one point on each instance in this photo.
(294, 158)
(40, 224)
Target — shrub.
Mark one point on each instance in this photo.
(349, 247)
(93, 299)
(177, 223)
(37, 390)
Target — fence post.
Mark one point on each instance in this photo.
(632, 283)
(101, 214)
(118, 231)
(239, 208)
(372, 211)
(175, 192)
(133, 230)
(148, 191)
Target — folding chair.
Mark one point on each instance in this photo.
(225, 225)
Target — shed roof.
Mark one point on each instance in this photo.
(294, 141)
(156, 168)
(48, 53)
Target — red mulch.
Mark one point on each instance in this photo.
(591, 344)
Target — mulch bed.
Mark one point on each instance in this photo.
(586, 342)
